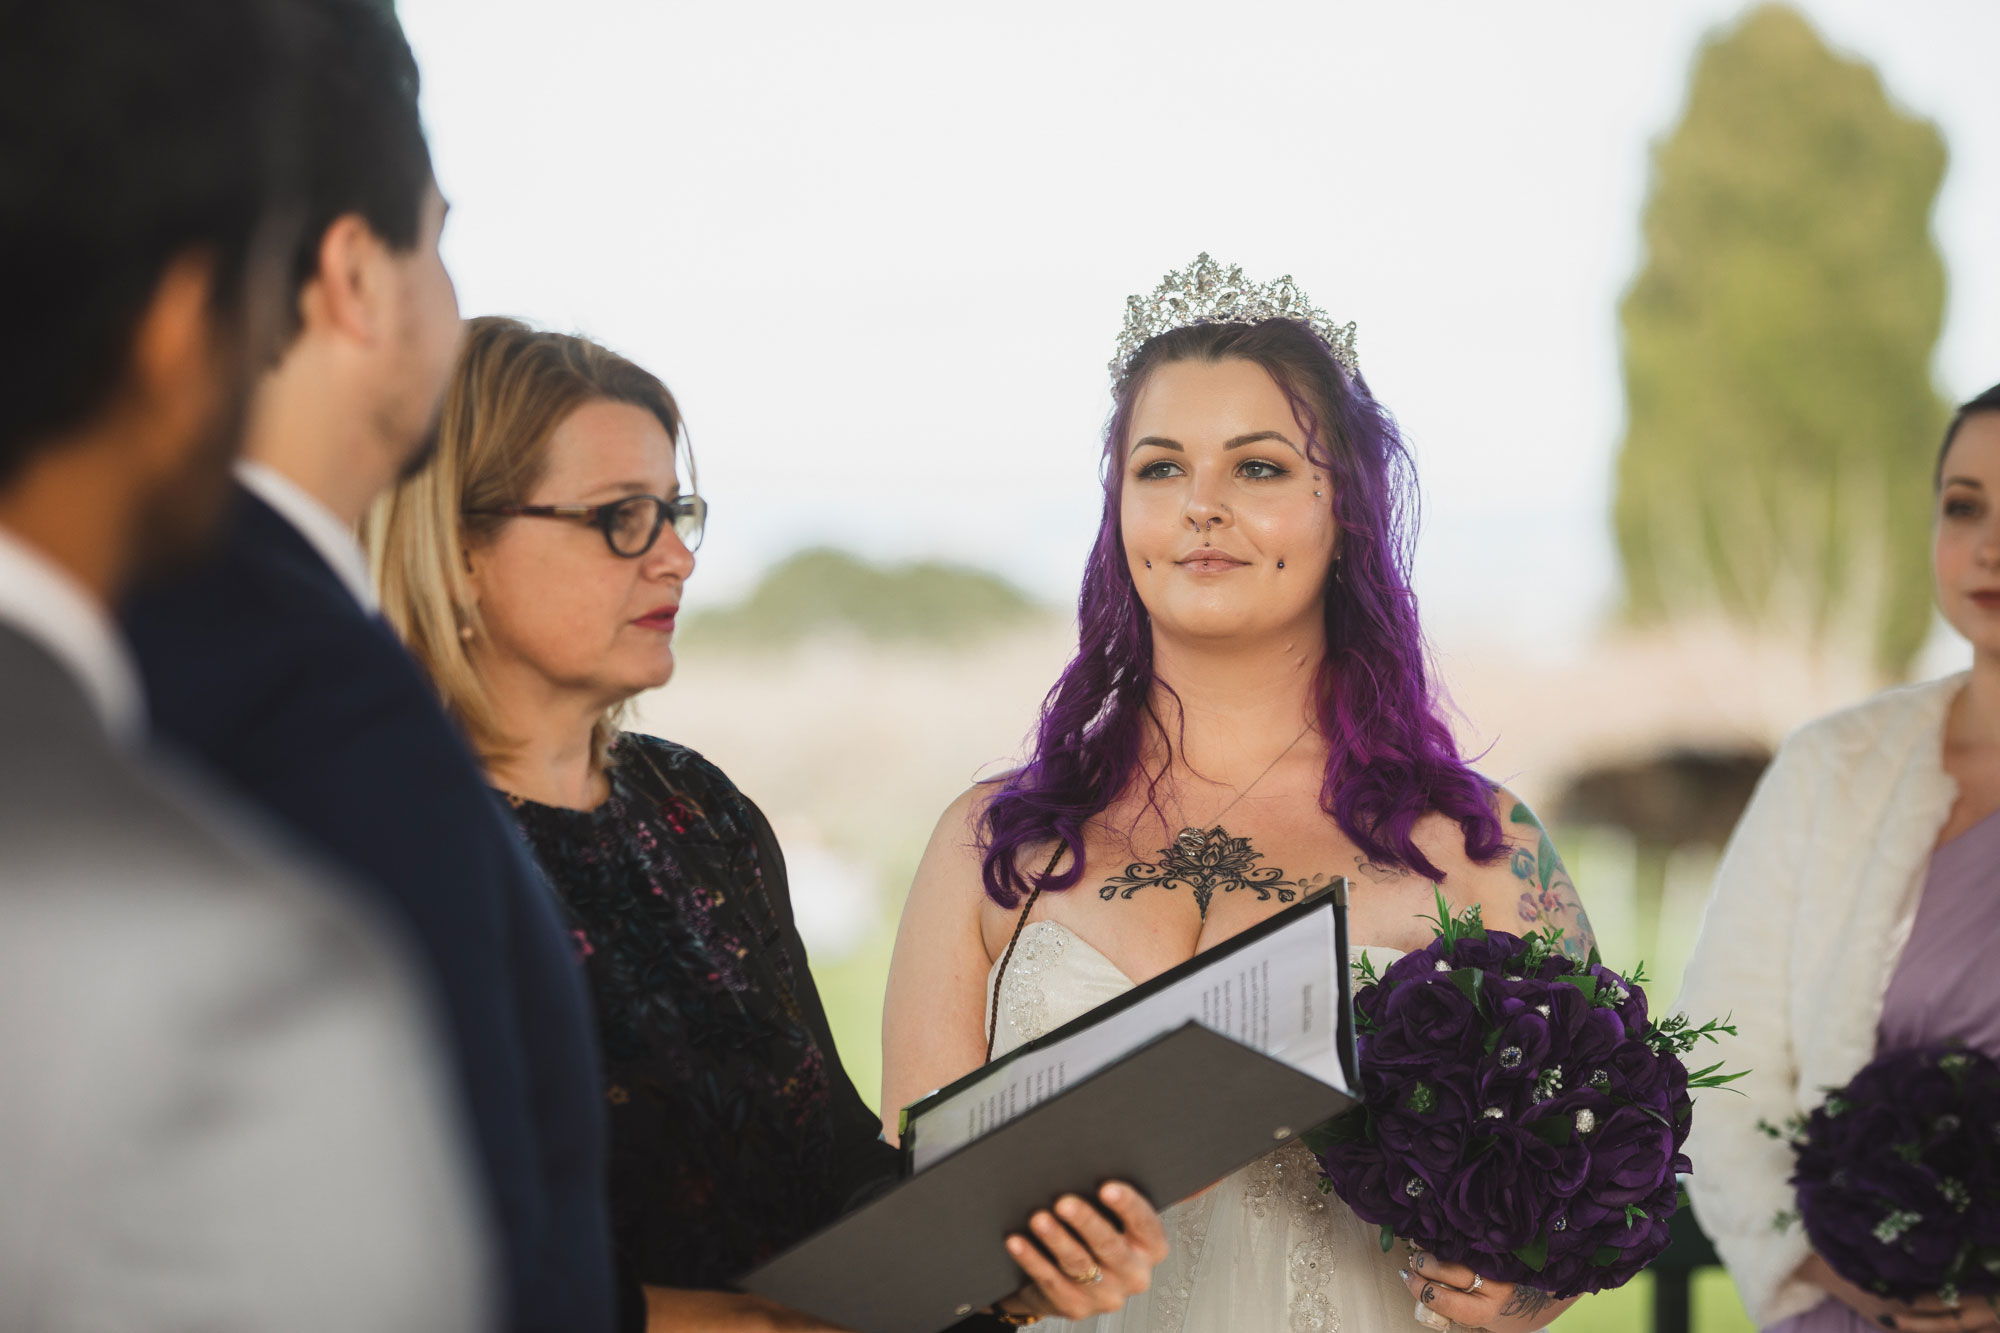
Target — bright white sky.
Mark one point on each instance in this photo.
(880, 252)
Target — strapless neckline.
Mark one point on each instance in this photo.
(1092, 954)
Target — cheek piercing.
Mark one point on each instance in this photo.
(1149, 564)
(1281, 564)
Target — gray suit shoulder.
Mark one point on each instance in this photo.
(223, 1104)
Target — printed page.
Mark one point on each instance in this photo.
(1277, 995)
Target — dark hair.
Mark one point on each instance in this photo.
(1391, 759)
(131, 133)
(361, 137)
(1988, 401)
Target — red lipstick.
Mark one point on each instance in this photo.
(660, 618)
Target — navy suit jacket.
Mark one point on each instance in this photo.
(262, 665)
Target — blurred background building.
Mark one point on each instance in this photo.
(1671, 301)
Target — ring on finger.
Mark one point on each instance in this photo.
(1089, 1279)
(1477, 1283)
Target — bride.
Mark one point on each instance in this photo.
(1247, 716)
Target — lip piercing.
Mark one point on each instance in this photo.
(1281, 564)
(1149, 564)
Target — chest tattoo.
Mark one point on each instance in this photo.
(1206, 862)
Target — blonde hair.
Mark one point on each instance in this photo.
(512, 387)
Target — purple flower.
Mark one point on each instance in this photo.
(1898, 1174)
(1511, 1120)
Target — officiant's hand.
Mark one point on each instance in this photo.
(1456, 1293)
(1929, 1315)
(1096, 1267)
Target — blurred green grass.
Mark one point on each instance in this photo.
(1714, 1308)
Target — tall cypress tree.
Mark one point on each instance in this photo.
(1778, 344)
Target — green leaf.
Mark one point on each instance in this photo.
(1535, 1253)
(1388, 1237)
(1606, 1256)
(1554, 1130)
(1586, 983)
(1471, 983)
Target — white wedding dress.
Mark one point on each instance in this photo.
(1264, 1249)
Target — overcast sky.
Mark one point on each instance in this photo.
(881, 252)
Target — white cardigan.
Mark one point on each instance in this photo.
(1812, 905)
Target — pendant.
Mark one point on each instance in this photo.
(1191, 839)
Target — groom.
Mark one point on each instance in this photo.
(270, 665)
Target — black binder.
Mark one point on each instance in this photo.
(1170, 1117)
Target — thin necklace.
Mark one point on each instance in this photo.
(1191, 838)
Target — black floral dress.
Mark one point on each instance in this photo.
(734, 1130)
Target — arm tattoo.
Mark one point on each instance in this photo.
(1550, 896)
(1525, 1303)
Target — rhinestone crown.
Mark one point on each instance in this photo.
(1207, 293)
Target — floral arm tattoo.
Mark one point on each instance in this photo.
(1525, 1303)
(1549, 896)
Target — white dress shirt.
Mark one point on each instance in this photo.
(320, 526)
(42, 601)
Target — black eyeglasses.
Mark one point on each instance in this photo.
(630, 526)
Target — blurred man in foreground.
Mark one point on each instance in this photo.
(269, 665)
(219, 1105)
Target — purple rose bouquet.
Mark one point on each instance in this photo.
(1898, 1175)
(1520, 1114)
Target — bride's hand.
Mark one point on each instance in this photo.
(1458, 1294)
(1929, 1315)
(1097, 1267)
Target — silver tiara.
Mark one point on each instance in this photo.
(1207, 293)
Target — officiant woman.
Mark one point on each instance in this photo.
(536, 568)
(1857, 912)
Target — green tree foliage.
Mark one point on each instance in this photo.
(820, 590)
(1778, 343)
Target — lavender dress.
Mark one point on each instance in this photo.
(1945, 987)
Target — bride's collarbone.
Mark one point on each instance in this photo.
(1147, 911)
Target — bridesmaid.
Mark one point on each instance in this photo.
(1857, 911)
(536, 568)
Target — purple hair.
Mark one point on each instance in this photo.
(1391, 759)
